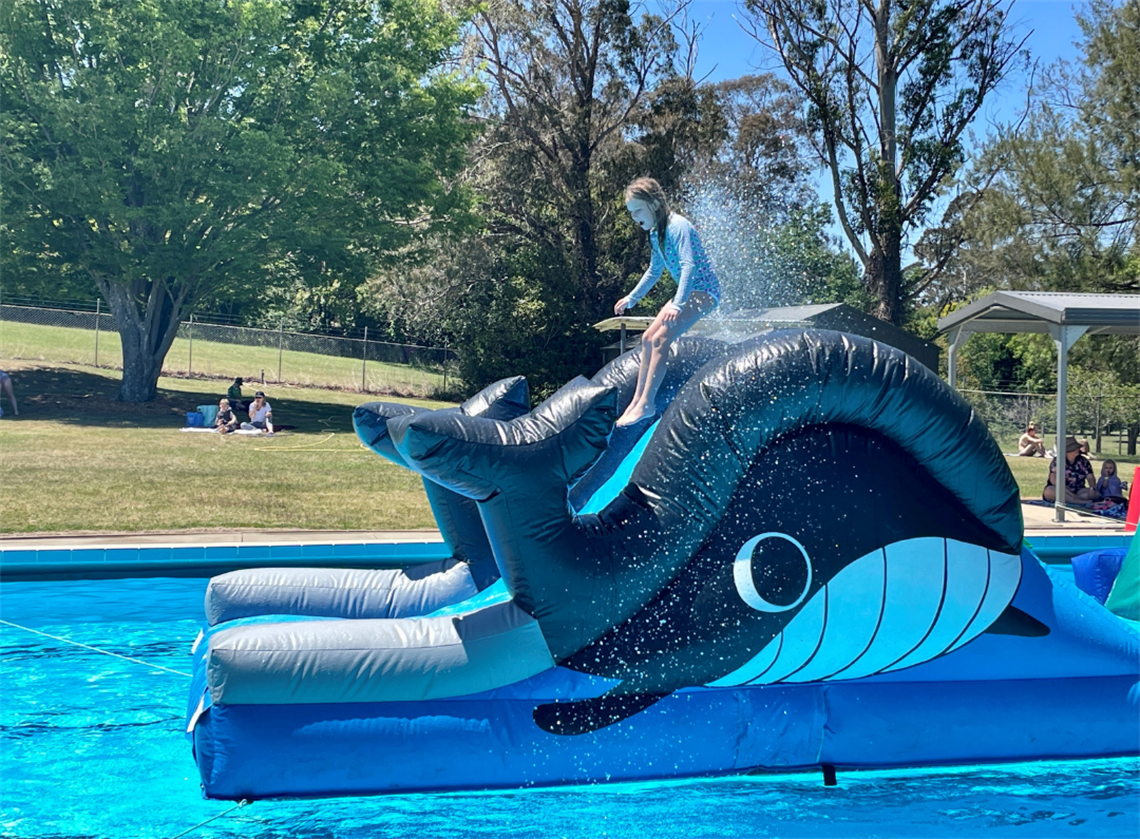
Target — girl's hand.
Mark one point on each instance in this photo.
(623, 305)
(669, 313)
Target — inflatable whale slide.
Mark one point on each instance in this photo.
(812, 556)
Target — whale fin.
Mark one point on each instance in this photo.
(1013, 621)
(478, 457)
(588, 715)
(501, 400)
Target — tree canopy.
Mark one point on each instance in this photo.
(891, 89)
(179, 152)
(1062, 213)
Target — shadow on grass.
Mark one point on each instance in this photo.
(87, 398)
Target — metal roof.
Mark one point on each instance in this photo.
(1036, 311)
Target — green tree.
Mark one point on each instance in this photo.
(567, 82)
(891, 89)
(520, 295)
(176, 150)
(1063, 213)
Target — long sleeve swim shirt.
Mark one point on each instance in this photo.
(686, 259)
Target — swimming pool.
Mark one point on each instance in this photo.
(93, 746)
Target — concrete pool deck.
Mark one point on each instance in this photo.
(1038, 522)
(32, 541)
(207, 553)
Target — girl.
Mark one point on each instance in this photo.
(675, 245)
(225, 422)
(1110, 485)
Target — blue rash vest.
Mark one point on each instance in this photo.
(686, 259)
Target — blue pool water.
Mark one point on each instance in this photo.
(92, 746)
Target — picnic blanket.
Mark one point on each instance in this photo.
(1100, 508)
(242, 431)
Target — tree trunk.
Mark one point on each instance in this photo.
(582, 208)
(885, 276)
(141, 368)
(1133, 433)
(146, 337)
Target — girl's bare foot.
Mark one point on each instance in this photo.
(634, 415)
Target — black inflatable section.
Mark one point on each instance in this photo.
(456, 515)
(729, 429)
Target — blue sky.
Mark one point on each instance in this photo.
(727, 51)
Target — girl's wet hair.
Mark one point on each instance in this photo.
(649, 191)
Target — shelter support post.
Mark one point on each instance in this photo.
(1063, 338)
(957, 336)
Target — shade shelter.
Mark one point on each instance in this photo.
(1066, 317)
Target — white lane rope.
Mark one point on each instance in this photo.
(237, 806)
(188, 831)
(95, 649)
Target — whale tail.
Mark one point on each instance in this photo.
(456, 515)
(588, 715)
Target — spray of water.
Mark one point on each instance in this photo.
(759, 258)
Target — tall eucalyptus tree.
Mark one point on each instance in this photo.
(891, 86)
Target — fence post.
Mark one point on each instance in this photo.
(190, 354)
(446, 359)
(280, 349)
(97, 302)
(364, 364)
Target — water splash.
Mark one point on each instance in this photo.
(760, 254)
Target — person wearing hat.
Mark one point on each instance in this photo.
(260, 414)
(234, 395)
(1080, 487)
(1030, 445)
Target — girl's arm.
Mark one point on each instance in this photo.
(651, 276)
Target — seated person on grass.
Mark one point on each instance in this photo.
(226, 421)
(1110, 486)
(260, 414)
(1079, 484)
(234, 395)
(1030, 445)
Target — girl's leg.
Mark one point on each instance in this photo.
(655, 353)
(643, 365)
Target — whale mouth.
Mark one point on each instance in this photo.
(886, 611)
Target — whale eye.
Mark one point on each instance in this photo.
(772, 572)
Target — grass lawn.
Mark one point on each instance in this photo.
(77, 461)
(65, 345)
(1032, 472)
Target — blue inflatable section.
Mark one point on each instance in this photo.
(1096, 571)
(998, 698)
(864, 626)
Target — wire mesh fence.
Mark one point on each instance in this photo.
(212, 350)
(1109, 421)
